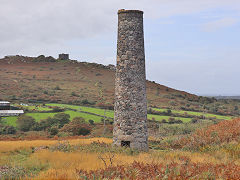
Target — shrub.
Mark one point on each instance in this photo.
(174, 121)
(57, 109)
(63, 146)
(169, 112)
(174, 170)
(57, 88)
(225, 131)
(171, 120)
(77, 126)
(194, 120)
(164, 121)
(111, 122)
(25, 123)
(58, 120)
(7, 130)
(86, 102)
(42, 125)
(53, 130)
(8, 172)
(74, 94)
(61, 119)
(91, 121)
(36, 127)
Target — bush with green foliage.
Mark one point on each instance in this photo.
(86, 102)
(174, 121)
(194, 120)
(57, 88)
(57, 109)
(91, 121)
(25, 123)
(7, 129)
(53, 130)
(77, 126)
(58, 120)
(74, 94)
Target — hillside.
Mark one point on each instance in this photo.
(45, 79)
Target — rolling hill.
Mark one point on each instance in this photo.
(45, 79)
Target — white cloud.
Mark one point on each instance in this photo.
(219, 24)
(87, 29)
(27, 25)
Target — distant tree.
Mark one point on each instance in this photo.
(174, 121)
(25, 123)
(53, 130)
(194, 120)
(7, 129)
(91, 121)
(85, 101)
(172, 103)
(171, 120)
(74, 94)
(164, 121)
(150, 110)
(57, 88)
(58, 120)
(236, 108)
(77, 126)
(169, 112)
(43, 125)
(57, 109)
(36, 127)
(61, 119)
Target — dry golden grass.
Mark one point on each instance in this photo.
(63, 165)
(6, 146)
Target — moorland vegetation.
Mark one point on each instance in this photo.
(66, 131)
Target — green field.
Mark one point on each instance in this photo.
(160, 118)
(11, 121)
(87, 117)
(39, 108)
(207, 115)
(108, 113)
(36, 108)
(39, 116)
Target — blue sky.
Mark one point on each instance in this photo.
(190, 45)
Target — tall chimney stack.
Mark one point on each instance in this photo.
(130, 111)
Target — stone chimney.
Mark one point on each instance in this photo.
(130, 111)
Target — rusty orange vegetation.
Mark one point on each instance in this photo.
(223, 132)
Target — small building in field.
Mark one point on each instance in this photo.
(63, 56)
(5, 110)
(6, 113)
(4, 105)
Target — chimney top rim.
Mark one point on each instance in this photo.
(129, 11)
